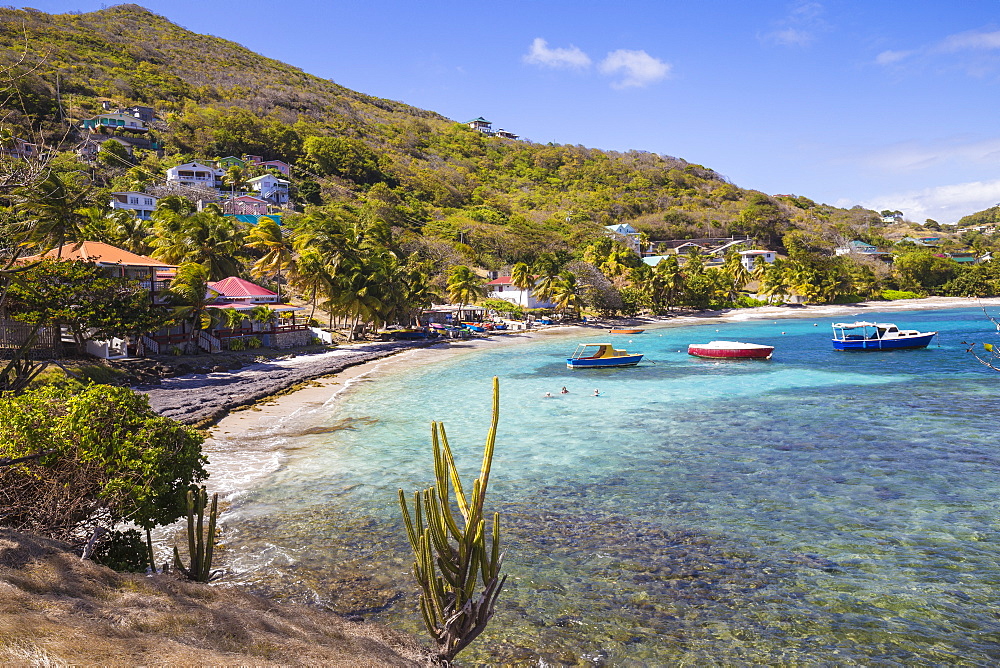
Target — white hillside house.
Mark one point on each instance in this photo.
(503, 288)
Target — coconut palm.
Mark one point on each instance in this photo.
(547, 267)
(267, 236)
(190, 298)
(206, 237)
(464, 287)
(309, 277)
(568, 294)
(51, 210)
(522, 278)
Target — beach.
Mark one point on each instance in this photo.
(203, 399)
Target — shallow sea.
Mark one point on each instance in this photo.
(819, 508)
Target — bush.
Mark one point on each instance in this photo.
(892, 295)
(237, 344)
(123, 551)
(253, 342)
(746, 301)
(108, 459)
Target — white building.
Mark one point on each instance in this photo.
(141, 204)
(195, 174)
(270, 188)
(749, 257)
(502, 288)
(627, 235)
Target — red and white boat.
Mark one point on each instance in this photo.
(731, 350)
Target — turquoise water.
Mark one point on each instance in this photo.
(820, 507)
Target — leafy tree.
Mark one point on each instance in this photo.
(206, 237)
(922, 270)
(83, 297)
(108, 458)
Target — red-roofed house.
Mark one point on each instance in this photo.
(238, 290)
(502, 288)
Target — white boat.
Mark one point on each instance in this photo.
(877, 336)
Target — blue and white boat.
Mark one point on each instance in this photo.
(877, 336)
(600, 355)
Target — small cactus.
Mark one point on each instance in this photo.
(451, 560)
(200, 545)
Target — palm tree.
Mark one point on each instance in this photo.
(737, 273)
(206, 237)
(309, 277)
(190, 297)
(547, 267)
(568, 294)
(522, 278)
(464, 287)
(267, 236)
(52, 211)
(668, 282)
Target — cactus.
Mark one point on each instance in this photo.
(450, 560)
(200, 545)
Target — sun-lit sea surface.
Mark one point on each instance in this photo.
(819, 508)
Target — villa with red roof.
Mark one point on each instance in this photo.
(239, 291)
(503, 288)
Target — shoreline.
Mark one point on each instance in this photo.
(205, 400)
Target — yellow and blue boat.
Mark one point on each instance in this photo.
(600, 355)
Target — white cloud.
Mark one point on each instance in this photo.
(892, 57)
(945, 204)
(800, 26)
(912, 156)
(638, 67)
(540, 54)
(970, 41)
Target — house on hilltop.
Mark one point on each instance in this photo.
(245, 205)
(115, 121)
(486, 127)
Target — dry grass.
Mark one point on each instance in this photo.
(57, 610)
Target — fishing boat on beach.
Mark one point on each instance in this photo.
(732, 350)
(877, 336)
(623, 330)
(600, 355)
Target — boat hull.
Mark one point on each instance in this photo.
(921, 341)
(747, 351)
(603, 363)
(627, 331)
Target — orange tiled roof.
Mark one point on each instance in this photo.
(98, 252)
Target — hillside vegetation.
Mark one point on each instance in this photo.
(437, 192)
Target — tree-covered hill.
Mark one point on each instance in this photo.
(427, 174)
(413, 192)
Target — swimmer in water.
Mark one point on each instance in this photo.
(564, 390)
(597, 392)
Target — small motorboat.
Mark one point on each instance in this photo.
(600, 355)
(877, 336)
(622, 330)
(732, 350)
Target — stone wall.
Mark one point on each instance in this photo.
(283, 340)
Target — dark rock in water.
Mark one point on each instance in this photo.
(815, 561)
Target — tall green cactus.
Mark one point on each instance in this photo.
(450, 560)
(200, 545)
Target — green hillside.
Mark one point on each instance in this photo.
(446, 194)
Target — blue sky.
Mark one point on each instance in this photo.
(885, 103)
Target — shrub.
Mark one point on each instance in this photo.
(892, 295)
(237, 344)
(107, 459)
(746, 301)
(253, 342)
